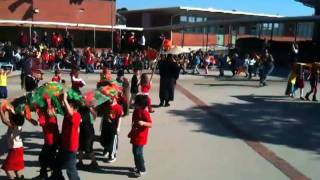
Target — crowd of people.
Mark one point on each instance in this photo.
(62, 149)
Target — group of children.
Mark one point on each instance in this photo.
(297, 77)
(60, 150)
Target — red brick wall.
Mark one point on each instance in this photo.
(94, 11)
(193, 39)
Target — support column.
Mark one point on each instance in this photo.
(207, 38)
(30, 34)
(316, 30)
(94, 37)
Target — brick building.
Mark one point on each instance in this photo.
(88, 19)
(162, 20)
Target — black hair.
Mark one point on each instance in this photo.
(141, 101)
(17, 119)
(120, 72)
(75, 104)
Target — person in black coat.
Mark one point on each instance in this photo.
(169, 73)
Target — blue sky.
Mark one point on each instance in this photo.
(281, 7)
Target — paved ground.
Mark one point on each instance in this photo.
(215, 129)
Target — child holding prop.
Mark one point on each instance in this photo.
(14, 163)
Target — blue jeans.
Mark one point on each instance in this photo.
(66, 160)
(138, 157)
(89, 68)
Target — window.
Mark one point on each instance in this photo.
(199, 19)
(183, 19)
(192, 19)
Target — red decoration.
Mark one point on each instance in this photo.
(167, 44)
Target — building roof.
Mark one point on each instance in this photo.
(310, 3)
(195, 9)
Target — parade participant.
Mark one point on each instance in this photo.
(49, 123)
(110, 129)
(3, 83)
(76, 82)
(89, 61)
(300, 80)
(134, 86)
(141, 122)
(57, 76)
(313, 78)
(67, 156)
(32, 80)
(251, 66)
(197, 62)
(293, 80)
(105, 75)
(14, 163)
(126, 63)
(169, 73)
(222, 61)
(123, 97)
(206, 63)
(87, 136)
(145, 86)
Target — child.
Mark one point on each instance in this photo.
(141, 122)
(314, 78)
(67, 157)
(49, 123)
(110, 129)
(14, 163)
(105, 75)
(134, 86)
(57, 76)
(32, 80)
(3, 83)
(76, 82)
(145, 84)
(124, 95)
(300, 80)
(292, 81)
(87, 136)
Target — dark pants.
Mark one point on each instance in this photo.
(66, 160)
(47, 158)
(138, 157)
(250, 71)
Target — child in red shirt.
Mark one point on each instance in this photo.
(14, 163)
(141, 122)
(57, 76)
(145, 85)
(49, 123)
(67, 157)
(110, 129)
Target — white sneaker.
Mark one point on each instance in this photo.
(139, 173)
(112, 160)
(106, 155)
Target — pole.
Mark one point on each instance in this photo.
(112, 26)
(182, 39)
(171, 23)
(207, 38)
(296, 32)
(94, 37)
(272, 28)
(260, 30)
(30, 35)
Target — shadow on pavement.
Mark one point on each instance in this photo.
(229, 85)
(123, 171)
(268, 119)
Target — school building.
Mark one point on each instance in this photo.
(89, 21)
(213, 27)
